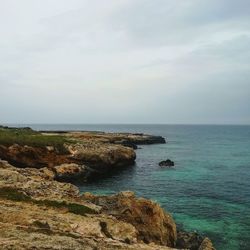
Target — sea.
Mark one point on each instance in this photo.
(208, 190)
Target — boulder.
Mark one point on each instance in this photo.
(193, 241)
(206, 245)
(187, 240)
(167, 163)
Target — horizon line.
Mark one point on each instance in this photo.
(193, 124)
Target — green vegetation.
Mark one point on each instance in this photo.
(15, 195)
(71, 207)
(27, 136)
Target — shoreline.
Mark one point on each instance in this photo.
(38, 186)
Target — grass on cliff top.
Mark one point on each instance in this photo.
(15, 195)
(29, 137)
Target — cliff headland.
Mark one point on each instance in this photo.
(41, 209)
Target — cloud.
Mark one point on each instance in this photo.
(99, 61)
(164, 22)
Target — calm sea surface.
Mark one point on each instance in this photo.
(209, 188)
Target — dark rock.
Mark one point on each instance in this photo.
(167, 163)
(141, 139)
(129, 144)
(193, 241)
(186, 240)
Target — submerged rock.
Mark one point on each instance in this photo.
(167, 163)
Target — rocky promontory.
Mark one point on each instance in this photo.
(40, 209)
(38, 212)
(92, 153)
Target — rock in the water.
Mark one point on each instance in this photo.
(206, 245)
(188, 240)
(193, 241)
(167, 163)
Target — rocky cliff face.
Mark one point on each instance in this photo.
(94, 153)
(37, 212)
(150, 220)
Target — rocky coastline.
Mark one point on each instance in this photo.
(41, 209)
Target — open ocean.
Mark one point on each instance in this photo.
(209, 188)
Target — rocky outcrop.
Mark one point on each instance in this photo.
(70, 172)
(193, 241)
(167, 163)
(31, 156)
(93, 153)
(206, 244)
(150, 220)
(128, 139)
(101, 157)
(79, 162)
(36, 183)
(37, 212)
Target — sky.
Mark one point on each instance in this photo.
(125, 61)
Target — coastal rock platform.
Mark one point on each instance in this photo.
(93, 152)
(37, 212)
(41, 209)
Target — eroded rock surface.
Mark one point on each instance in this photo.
(93, 152)
(152, 223)
(37, 212)
(116, 138)
(30, 156)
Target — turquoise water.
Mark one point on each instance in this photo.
(209, 188)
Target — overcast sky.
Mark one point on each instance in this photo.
(125, 61)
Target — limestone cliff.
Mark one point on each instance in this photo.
(37, 212)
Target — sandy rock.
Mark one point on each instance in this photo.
(126, 139)
(70, 171)
(101, 156)
(29, 156)
(37, 212)
(150, 220)
(206, 245)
